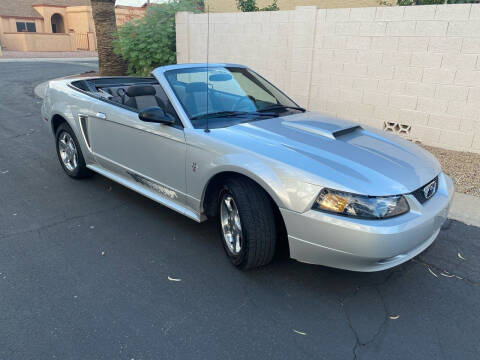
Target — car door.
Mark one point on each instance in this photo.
(150, 154)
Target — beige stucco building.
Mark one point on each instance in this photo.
(231, 5)
(53, 25)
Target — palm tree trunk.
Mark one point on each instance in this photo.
(103, 12)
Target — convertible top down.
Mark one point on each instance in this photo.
(220, 141)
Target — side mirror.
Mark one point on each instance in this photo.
(155, 114)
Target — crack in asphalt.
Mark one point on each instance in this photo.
(358, 343)
(380, 329)
(350, 325)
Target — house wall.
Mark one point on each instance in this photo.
(9, 24)
(127, 13)
(413, 70)
(78, 23)
(38, 42)
(80, 19)
(47, 11)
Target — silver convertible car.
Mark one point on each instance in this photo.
(220, 141)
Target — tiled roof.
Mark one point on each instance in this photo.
(24, 7)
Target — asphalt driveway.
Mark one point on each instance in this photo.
(86, 270)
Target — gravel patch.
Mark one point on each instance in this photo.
(462, 167)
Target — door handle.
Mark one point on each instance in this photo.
(101, 116)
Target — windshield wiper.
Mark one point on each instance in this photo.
(221, 114)
(281, 107)
(218, 114)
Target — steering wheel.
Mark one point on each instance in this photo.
(245, 103)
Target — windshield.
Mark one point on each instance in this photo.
(235, 95)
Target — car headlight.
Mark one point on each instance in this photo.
(360, 206)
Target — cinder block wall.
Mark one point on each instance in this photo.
(412, 70)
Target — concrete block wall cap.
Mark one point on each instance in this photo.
(303, 8)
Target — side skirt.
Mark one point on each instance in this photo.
(148, 193)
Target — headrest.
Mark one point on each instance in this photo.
(196, 87)
(140, 90)
(220, 77)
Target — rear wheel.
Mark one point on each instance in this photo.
(247, 223)
(70, 154)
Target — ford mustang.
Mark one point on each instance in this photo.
(220, 141)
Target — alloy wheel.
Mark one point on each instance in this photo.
(68, 151)
(231, 224)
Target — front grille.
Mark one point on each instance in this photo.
(420, 193)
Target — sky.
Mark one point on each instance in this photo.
(136, 2)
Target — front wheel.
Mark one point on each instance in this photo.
(247, 223)
(70, 154)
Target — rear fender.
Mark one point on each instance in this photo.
(62, 100)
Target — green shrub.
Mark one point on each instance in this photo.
(405, 2)
(272, 7)
(251, 5)
(149, 42)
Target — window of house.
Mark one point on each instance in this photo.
(23, 26)
(31, 27)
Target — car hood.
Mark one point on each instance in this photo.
(340, 153)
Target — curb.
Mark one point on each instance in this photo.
(48, 59)
(465, 208)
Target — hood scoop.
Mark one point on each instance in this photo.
(346, 131)
(327, 129)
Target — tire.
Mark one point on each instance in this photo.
(79, 171)
(258, 232)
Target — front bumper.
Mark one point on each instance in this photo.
(368, 245)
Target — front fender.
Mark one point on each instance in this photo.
(254, 170)
(284, 185)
